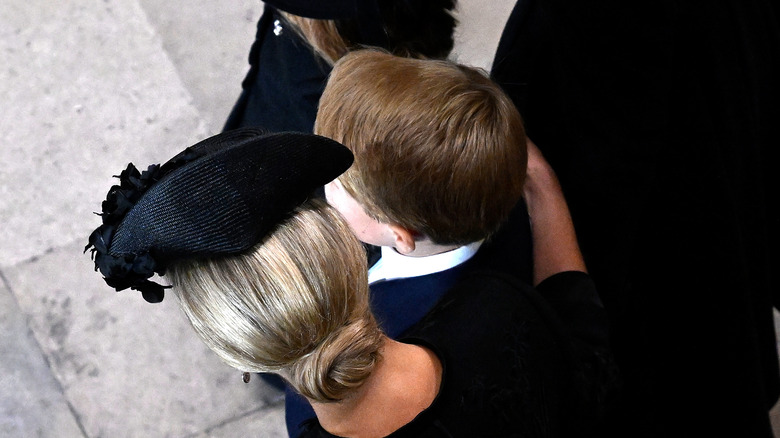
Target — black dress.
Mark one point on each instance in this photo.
(511, 365)
(659, 119)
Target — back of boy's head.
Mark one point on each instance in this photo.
(439, 148)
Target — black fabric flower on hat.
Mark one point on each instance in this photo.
(218, 197)
(129, 270)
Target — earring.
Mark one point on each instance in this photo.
(245, 377)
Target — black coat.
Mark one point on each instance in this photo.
(284, 83)
(659, 118)
(282, 89)
(517, 362)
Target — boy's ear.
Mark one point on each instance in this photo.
(403, 239)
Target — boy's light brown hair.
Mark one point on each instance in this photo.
(439, 148)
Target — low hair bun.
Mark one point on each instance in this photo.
(340, 363)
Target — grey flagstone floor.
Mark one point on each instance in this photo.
(87, 86)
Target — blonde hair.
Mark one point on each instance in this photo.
(322, 36)
(439, 148)
(297, 304)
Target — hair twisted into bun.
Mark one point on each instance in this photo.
(340, 363)
(297, 304)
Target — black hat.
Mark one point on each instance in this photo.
(363, 15)
(400, 26)
(221, 196)
(319, 9)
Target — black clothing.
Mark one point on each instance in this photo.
(401, 303)
(282, 89)
(284, 83)
(659, 118)
(514, 370)
(397, 305)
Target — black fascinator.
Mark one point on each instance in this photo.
(221, 196)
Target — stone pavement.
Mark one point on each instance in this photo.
(87, 86)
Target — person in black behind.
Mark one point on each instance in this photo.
(659, 118)
(298, 41)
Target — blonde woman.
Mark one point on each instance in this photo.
(274, 282)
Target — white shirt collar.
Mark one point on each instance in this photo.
(394, 265)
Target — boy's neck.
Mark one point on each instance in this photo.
(425, 248)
